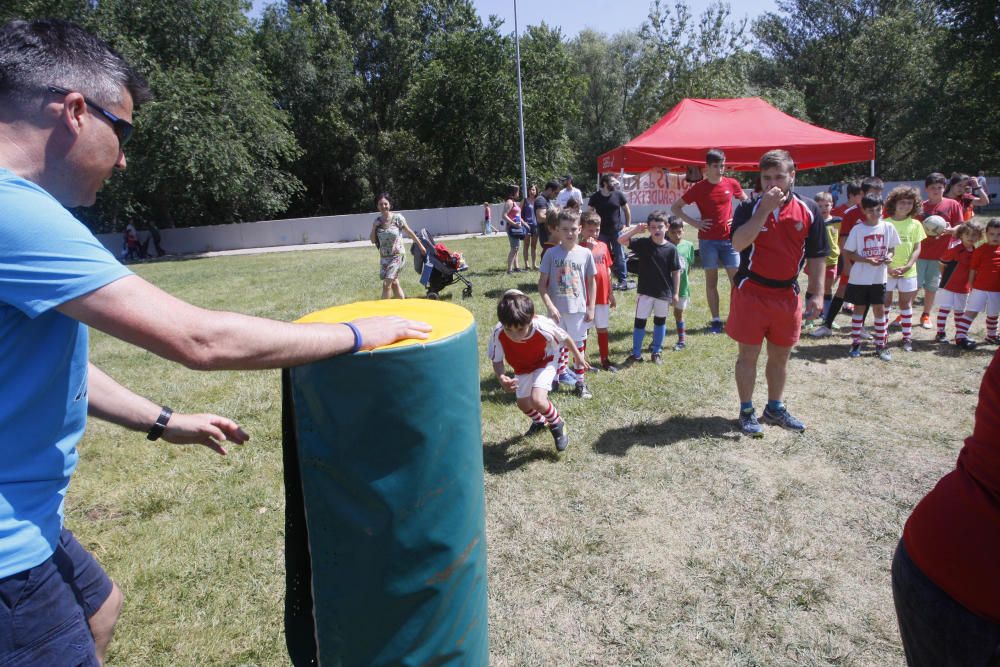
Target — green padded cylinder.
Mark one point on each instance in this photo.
(385, 536)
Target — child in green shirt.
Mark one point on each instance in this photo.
(685, 252)
(901, 205)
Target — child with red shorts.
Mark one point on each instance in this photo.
(591, 227)
(955, 263)
(984, 278)
(530, 344)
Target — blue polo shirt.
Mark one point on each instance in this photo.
(47, 257)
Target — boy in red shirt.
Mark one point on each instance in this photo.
(984, 277)
(530, 343)
(954, 292)
(713, 195)
(591, 222)
(932, 249)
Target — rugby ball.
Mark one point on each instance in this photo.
(934, 225)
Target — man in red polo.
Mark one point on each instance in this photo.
(776, 235)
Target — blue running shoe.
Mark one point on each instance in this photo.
(749, 424)
(715, 327)
(783, 419)
(569, 377)
(855, 351)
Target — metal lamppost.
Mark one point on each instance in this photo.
(520, 105)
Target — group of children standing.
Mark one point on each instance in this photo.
(575, 287)
(884, 249)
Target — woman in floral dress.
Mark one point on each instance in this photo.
(387, 235)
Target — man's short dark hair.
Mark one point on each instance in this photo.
(871, 201)
(515, 309)
(51, 52)
(935, 178)
(854, 189)
(872, 183)
(777, 158)
(552, 185)
(715, 156)
(607, 180)
(568, 177)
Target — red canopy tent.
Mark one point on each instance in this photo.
(745, 128)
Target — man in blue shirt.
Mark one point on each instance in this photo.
(66, 104)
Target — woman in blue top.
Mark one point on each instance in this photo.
(530, 227)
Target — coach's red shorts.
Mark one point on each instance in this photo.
(757, 312)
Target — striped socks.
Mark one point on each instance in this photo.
(907, 323)
(942, 320)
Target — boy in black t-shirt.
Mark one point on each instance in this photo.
(659, 282)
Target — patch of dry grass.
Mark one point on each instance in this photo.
(661, 537)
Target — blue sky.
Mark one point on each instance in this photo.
(608, 16)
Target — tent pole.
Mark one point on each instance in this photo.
(873, 168)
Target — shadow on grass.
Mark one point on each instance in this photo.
(822, 352)
(530, 289)
(498, 459)
(617, 442)
(951, 351)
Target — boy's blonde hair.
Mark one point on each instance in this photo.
(568, 214)
(552, 217)
(823, 196)
(902, 192)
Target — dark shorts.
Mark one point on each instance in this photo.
(936, 630)
(44, 610)
(865, 295)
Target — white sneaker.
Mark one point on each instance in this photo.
(865, 334)
(822, 331)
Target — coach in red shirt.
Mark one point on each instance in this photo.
(777, 235)
(713, 195)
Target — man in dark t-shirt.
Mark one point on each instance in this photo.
(776, 235)
(612, 205)
(542, 204)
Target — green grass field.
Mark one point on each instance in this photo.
(661, 537)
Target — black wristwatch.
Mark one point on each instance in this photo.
(161, 423)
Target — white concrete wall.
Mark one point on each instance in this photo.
(300, 231)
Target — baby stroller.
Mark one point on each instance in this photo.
(440, 268)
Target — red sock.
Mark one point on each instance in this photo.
(942, 319)
(583, 353)
(962, 324)
(551, 415)
(602, 343)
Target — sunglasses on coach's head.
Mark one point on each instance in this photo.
(123, 128)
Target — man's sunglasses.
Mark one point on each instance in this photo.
(123, 128)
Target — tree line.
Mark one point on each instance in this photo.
(317, 106)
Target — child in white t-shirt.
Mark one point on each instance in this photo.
(870, 246)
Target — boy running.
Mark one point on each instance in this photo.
(685, 253)
(530, 344)
(870, 247)
(659, 283)
(568, 287)
(605, 297)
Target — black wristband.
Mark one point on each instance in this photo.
(161, 424)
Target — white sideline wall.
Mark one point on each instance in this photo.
(356, 227)
(303, 231)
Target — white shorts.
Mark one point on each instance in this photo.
(980, 300)
(602, 316)
(952, 300)
(645, 305)
(901, 285)
(683, 303)
(542, 378)
(573, 324)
